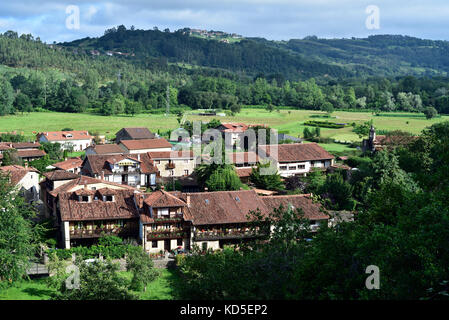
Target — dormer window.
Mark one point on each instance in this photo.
(109, 198)
(84, 198)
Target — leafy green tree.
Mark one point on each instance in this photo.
(430, 112)
(17, 234)
(99, 280)
(266, 181)
(141, 266)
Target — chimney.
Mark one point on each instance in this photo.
(26, 164)
(188, 200)
(102, 175)
(206, 189)
(162, 187)
(138, 157)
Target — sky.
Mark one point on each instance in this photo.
(53, 20)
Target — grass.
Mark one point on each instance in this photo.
(35, 289)
(289, 121)
(163, 288)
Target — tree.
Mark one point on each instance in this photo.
(22, 103)
(141, 266)
(430, 112)
(17, 233)
(6, 97)
(99, 280)
(224, 178)
(266, 181)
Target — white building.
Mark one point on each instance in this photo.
(298, 158)
(76, 140)
(26, 179)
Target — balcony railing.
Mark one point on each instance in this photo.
(166, 234)
(218, 235)
(96, 233)
(168, 218)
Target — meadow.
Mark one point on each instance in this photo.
(288, 121)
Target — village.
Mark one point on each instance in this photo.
(119, 189)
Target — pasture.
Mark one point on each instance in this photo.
(288, 121)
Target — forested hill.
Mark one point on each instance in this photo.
(382, 55)
(246, 56)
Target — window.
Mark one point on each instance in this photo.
(204, 246)
(186, 172)
(292, 168)
(179, 243)
(85, 198)
(302, 166)
(109, 198)
(172, 172)
(283, 167)
(163, 212)
(153, 244)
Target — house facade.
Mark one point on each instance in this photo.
(76, 140)
(134, 170)
(173, 163)
(86, 209)
(298, 158)
(163, 225)
(26, 179)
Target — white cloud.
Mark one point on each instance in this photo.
(272, 19)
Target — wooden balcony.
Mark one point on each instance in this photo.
(166, 234)
(168, 218)
(97, 233)
(222, 235)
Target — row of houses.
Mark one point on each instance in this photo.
(86, 208)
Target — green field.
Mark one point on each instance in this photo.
(289, 121)
(163, 288)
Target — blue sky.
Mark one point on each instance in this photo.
(271, 19)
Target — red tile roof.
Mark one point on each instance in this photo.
(138, 133)
(123, 207)
(107, 149)
(59, 175)
(146, 144)
(233, 127)
(69, 163)
(31, 153)
(243, 172)
(312, 211)
(163, 199)
(83, 181)
(26, 145)
(297, 152)
(222, 207)
(66, 135)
